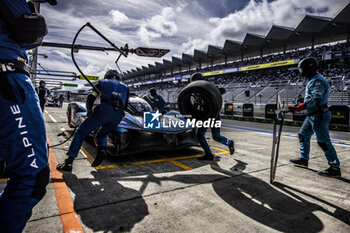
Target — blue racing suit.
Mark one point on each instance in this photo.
(317, 120)
(23, 144)
(215, 132)
(159, 103)
(43, 93)
(105, 117)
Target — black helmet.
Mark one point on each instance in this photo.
(112, 74)
(196, 76)
(153, 91)
(308, 67)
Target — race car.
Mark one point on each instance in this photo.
(131, 135)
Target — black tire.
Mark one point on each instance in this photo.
(200, 100)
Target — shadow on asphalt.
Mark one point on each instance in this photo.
(283, 209)
(104, 205)
(314, 170)
(277, 206)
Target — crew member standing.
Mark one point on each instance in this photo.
(104, 118)
(158, 101)
(23, 146)
(317, 120)
(43, 93)
(61, 99)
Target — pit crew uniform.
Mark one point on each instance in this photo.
(216, 136)
(23, 145)
(43, 93)
(105, 117)
(159, 103)
(317, 120)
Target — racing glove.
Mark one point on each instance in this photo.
(297, 108)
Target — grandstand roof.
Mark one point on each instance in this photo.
(201, 56)
(151, 67)
(253, 40)
(145, 70)
(177, 61)
(342, 17)
(188, 59)
(279, 33)
(231, 47)
(215, 51)
(311, 24)
(311, 30)
(159, 66)
(167, 63)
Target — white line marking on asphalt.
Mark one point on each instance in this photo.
(46, 111)
(53, 119)
(338, 142)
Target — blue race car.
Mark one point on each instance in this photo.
(132, 137)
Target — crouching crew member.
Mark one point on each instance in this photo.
(215, 132)
(23, 146)
(104, 118)
(317, 120)
(158, 101)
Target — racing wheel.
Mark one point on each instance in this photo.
(200, 100)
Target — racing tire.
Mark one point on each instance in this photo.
(201, 100)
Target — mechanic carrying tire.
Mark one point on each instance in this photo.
(104, 117)
(23, 146)
(202, 100)
(317, 120)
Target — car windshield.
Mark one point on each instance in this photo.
(139, 106)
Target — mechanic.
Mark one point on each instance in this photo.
(215, 132)
(317, 120)
(23, 146)
(43, 93)
(61, 99)
(299, 100)
(158, 101)
(105, 117)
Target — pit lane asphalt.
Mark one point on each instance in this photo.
(152, 193)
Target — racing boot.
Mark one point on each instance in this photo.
(300, 162)
(101, 155)
(232, 147)
(67, 166)
(330, 172)
(207, 156)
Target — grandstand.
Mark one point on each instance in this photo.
(260, 67)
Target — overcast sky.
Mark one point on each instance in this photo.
(178, 25)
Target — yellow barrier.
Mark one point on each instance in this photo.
(269, 65)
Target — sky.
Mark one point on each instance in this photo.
(178, 25)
